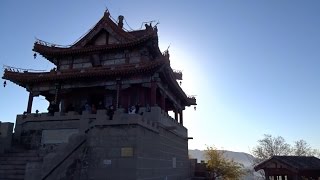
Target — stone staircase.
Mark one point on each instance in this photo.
(13, 163)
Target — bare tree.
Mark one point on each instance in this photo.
(276, 146)
(270, 146)
(302, 148)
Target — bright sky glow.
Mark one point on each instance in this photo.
(254, 65)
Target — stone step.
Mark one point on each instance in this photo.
(12, 162)
(12, 171)
(12, 166)
(25, 154)
(11, 176)
(21, 150)
(19, 158)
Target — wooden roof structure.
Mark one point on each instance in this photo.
(294, 167)
(122, 40)
(23, 78)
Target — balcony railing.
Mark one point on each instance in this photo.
(151, 119)
(192, 99)
(20, 70)
(177, 74)
(41, 42)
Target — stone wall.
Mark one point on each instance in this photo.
(162, 156)
(5, 136)
(136, 152)
(69, 162)
(29, 129)
(151, 145)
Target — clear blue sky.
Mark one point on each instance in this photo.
(254, 65)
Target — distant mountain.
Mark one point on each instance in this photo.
(241, 157)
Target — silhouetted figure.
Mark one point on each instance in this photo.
(100, 105)
(132, 110)
(37, 113)
(110, 112)
(148, 108)
(137, 107)
(24, 115)
(52, 108)
(87, 107)
(93, 109)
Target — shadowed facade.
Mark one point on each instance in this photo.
(109, 94)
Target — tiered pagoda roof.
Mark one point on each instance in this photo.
(24, 78)
(126, 39)
(123, 40)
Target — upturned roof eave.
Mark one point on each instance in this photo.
(177, 88)
(128, 38)
(25, 78)
(51, 52)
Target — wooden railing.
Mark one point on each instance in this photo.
(45, 43)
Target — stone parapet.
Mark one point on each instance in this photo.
(171, 124)
(127, 119)
(34, 124)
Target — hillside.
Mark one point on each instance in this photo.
(241, 157)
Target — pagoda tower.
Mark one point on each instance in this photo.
(109, 95)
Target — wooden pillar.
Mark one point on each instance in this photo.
(181, 117)
(266, 174)
(56, 93)
(30, 100)
(142, 96)
(163, 101)
(118, 93)
(153, 97)
(176, 114)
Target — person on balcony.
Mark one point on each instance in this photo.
(110, 112)
(87, 107)
(52, 108)
(137, 107)
(100, 105)
(93, 109)
(132, 110)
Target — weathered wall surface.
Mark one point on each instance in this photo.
(131, 146)
(135, 152)
(29, 129)
(162, 156)
(5, 136)
(69, 162)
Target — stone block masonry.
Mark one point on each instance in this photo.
(135, 152)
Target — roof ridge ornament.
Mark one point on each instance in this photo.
(106, 13)
(120, 21)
